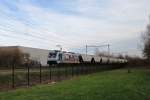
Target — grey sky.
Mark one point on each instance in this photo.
(74, 23)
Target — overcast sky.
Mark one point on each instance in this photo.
(74, 23)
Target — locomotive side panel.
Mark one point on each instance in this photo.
(70, 58)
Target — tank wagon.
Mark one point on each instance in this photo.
(58, 57)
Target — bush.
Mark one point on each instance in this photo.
(10, 56)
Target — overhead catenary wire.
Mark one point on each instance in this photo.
(55, 38)
(36, 34)
(28, 38)
(47, 32)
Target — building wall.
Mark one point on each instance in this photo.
(39, 55)
(36, 54)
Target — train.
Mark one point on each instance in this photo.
(59, 57)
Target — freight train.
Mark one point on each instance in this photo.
(58, 57)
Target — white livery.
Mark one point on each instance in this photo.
(56, 57)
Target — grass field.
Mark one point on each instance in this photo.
(108, 85)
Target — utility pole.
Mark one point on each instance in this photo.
(108, 50)
(86, 50)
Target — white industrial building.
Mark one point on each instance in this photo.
(36, 54)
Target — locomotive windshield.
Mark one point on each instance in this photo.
(52, 55)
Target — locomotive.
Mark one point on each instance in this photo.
(58, 57)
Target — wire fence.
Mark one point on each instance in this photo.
(25, 76)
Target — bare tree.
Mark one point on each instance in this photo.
(146, 50)
(11, 56)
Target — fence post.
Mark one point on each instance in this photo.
(85, 68)
(88, 69)
(50, 73)
(82, 69)
(75, 70)
(28, 75)
(79, 70)
(40, 73)
(58, 73)
(72, 70)
(66, 71)
(13, 76)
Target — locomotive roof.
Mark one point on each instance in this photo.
(61, 51)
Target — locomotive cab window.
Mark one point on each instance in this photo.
(52, 55)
